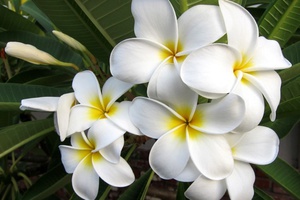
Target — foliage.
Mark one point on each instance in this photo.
(100, 25)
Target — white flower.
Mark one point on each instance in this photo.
(245, 66)
(60, 105)
(258, 146)
(100, 109)
(87, 163)
(33, 55)
(161, 39)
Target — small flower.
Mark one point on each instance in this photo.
(87, 163)
(60, 105)
(100, 109)
(245, 66)
(33, 55)
(258, 146)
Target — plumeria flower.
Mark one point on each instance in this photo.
(245, 66)
(88, 163)
(258, 146)
(187, 131)
(61, 107)
(100, 109)
(33, 55)
(161, 38)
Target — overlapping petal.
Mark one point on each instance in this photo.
(189, 173)
(211, 154)
(199, 26)
(155, 20)
(112, 152)
(80, 140)
(204, 188)
(169, 154)
(118, 175)
(152, 117)
(40, 104)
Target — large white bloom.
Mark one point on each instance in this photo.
(100, 109)
(258, 146)
(88, 163)
(245, 66)
(187, 131)
(60, 105)
(161, 38)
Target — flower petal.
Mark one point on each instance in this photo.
(189, 173)
(87, 90)
(166, 86)
(117, 175)
(112, 152)
(242, 30)
(40, 104)
(83, 172)
(155, 24)
(119, 114)
(169, 154)
(269, 83)
(103, 133)
(206, 74)
(65, 103)
(240, 182)
(268, 56)
(71, 157)
(80, 140)
(258, 146)
(152, 117)
(199, 26)
(204, 188)
(220, 115)
(211, 154)
(113, 89)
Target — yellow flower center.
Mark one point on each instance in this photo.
(171, 52)
(241, 66)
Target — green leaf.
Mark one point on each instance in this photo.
(281, 20)
(12, 94)
(285, 175)
(182, 187)
(261, 195)
(17, 135)
(139, 188)
(10, 20)
(292, 53)
(49, 183)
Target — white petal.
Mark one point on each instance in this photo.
(117, 175)
(113, 89)
(268, 56)
(209, 69)
(189, 173)
(242, 30)
(87, 89)
(269, 83)
(199, 26)
(119, 114)
(155, 20)
(152, 117)
(258, 146)
(71, 157)
(112, 152)
(169, 154)
(204, 188)
(83, 172)
(211, 154)
(134, 60)
(240, 182)
(40, 104)
(220, 115)
(103, 133)
(80, 140)
(167, 87)
(254, 104)
(65, 103)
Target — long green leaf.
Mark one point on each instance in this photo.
(281, 20)
(292, 53)
(17, 135)
(49, 183)
(261, 195)
(285, 175)
(12, 94)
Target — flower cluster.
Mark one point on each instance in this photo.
(205, 100)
